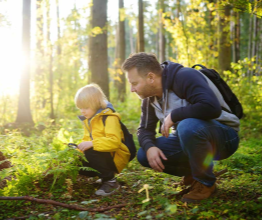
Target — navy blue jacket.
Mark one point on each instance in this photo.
(188, 84)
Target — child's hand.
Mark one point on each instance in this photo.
(86, 145)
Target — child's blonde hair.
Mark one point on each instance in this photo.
(90, 96)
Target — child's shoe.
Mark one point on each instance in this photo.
(108, 188)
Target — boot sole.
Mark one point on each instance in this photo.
(197, 201)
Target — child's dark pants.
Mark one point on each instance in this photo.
(102, 162)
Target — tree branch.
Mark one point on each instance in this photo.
(52, 202)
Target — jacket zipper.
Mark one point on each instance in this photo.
(90, 133)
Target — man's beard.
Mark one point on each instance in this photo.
(148, 94)
(140, 97)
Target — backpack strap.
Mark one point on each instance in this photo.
(104, 117)
(203, 67)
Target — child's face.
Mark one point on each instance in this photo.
(88, 112)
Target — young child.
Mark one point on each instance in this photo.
(102, 141)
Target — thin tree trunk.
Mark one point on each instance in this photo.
(98, 48)
(58, 57)
(236, 37)
(51, 82)
(254, 38)
(121, 53)
(89, 44)
(76, 66)
(24, 111)
(59, 49)
(141, 41)
(162, 39)
(184, 31)
(259, 47)
(212, 37)
(250, 40)
(50, 53)
(224, 43)
(40, 29)
(132, 49)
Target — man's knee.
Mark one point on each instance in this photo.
(141, 157)
(189, 127)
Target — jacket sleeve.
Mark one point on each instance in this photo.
(112, 140)
(147, 129)
(190, 85)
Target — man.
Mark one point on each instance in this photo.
(186, 100)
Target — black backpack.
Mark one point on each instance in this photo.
(129, 142)
(229, 97)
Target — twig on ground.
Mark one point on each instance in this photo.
(52, 202)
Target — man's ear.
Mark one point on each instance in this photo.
(151, 76)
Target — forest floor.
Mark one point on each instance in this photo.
(239, 194)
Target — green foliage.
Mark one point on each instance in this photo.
(36, 157)
(247, 85)
(252, 7)
(44, 167)
(193, 33)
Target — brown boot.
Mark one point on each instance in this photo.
(187, 180)
(198, 192)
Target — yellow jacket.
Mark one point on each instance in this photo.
(107, 138)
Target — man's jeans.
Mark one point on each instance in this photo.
(194, 147)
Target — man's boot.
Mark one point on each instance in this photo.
(198, 192)
(185, 181)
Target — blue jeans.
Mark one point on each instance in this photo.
(194, 147)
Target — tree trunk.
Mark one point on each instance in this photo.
(39, 29)
(50, 54)
(211, 59)
(98, 47)
(236, 37)
(259, 48)
(121, 54)
(132, 48)
(250, 41)
(59, 49)
(224, 41)
(141, 41)
(162, 39)
(255, 31)
(24, 112)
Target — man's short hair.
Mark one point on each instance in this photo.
(90, 96)
(143, 62)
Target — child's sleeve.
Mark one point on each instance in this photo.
(112, 140)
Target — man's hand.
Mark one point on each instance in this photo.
(154, 155)
(168, 123)
(86, 145)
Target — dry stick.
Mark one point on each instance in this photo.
(219, 173)
(52, 202)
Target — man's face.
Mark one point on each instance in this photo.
(142, 86)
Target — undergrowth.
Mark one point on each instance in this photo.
(44, 167)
